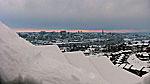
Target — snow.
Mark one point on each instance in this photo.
(128, 66)
(108, 71)
(79, 60)
(12, 49)
(133, 60)
(52, 52)
(146, 79)
(103, 67)
(121, 65)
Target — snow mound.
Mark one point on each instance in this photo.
(146, 79)
(79, 60)
(53, 52)
(13, 53)
(113, 74)
(102, 67)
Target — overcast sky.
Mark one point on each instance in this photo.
(76, 14)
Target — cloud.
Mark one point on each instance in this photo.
(66, 13)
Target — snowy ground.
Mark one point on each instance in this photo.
(138, 64)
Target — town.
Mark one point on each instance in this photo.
(129, 51)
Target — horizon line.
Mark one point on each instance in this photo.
(58, 30)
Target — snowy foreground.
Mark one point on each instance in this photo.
(48, 65)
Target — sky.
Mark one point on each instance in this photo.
(28, 15)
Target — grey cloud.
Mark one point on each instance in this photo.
(94, 12)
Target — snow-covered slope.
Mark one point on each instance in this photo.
(146, 79)
(79, 60)
(133, 60)
(53, 52)
(113, 74)
(20, 58)
(102, 67)
(14, 52)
